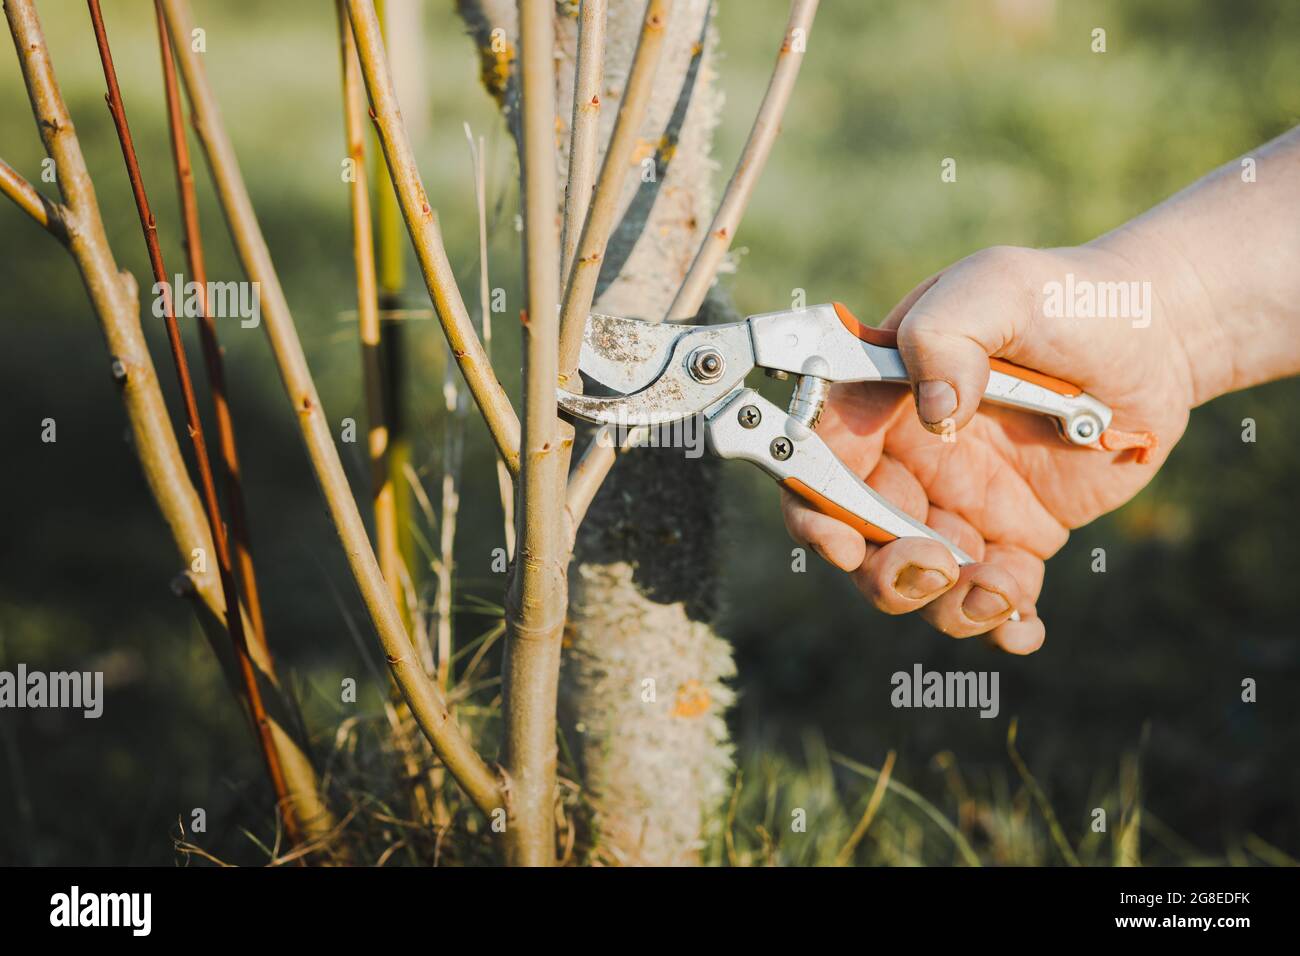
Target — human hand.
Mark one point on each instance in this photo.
(1000, 484)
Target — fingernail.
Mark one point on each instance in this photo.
(935, 401)
(916, 582)
(981, 604)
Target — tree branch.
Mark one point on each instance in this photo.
(422, 224)
(46, 214)
(589, 73)
(538, 593)
(599, 457)
(426, 703)
(225, 569)
(589, 473)
(581, 286)
(363, 258)
(113, 296)
(400, 19)
(762, 136)
(212, 353)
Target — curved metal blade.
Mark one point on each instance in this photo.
(626, 355)
(673, 393)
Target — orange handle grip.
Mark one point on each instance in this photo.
(888, 338)
(819, 502)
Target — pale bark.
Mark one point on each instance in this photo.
(536, 601)
(643, 589)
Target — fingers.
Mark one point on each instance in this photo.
(833, 540)
(957, 530)
(906, 574)
(1028, 570)
(920, 574)
(895, 315)
(983, 597)
(948, 334)
(913, 574)
(837, 542)
(1009, 578)
(1019, 637)
(894, 482)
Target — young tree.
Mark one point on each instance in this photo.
(612, 106)
(644, 675)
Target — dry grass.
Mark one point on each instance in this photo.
(823, 810)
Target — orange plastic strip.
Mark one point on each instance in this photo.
(823, 504)
(1143, 443)
(888, 338)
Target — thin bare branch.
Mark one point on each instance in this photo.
(581, 286)
(426, 702)
(114, 298)
(400, 21)
(28, 198)
(584, 145)
(225, 567)
(304, 800)
(762, 136)
(386, 451)
(589, 473)
(422, 224)
(535, 607)
(597, 460)
(193, 245)
(363, 259)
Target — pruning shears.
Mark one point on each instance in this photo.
(663, 373)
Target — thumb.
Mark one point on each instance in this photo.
(974, 309)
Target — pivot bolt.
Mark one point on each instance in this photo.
(706, 364)
(782, 448)
(749, 416)
(1085, 428)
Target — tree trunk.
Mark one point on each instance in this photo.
(643, 697)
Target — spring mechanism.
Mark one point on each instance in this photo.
(808, 399)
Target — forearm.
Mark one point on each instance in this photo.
(1223, 257)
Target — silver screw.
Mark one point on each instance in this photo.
(749, 416)
(706, 364)
(118, 368)
(1085, 428)
(782, 448)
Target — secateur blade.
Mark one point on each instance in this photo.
(673, 371)
(626, 355)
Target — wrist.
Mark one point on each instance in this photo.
(1196, 337)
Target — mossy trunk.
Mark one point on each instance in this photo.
(643, 694)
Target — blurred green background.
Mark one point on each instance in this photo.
(1054, 144)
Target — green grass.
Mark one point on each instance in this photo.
(1054, 144)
